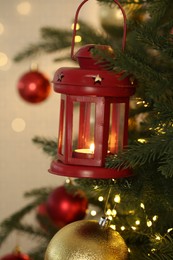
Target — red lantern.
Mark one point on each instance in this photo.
(93, 115)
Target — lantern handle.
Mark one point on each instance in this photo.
(75, 26)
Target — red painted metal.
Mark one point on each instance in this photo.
(94, 110)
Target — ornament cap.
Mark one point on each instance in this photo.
(104, 222)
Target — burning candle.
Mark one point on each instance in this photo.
(84, 153)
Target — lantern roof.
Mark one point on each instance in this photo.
(91, 78)
(86, 60)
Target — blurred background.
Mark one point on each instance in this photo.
(22, 165)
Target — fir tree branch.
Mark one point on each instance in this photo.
(52, 39)
(8, 225)
(39, 193)
(151, 38)
(48, 146)
(38, 253)
(163, 249)
(30, 230)
(157, 148)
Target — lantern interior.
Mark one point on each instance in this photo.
(116, 127)
(91, 128)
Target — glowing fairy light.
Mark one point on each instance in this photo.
(111, 213)
(132, 227)
(117, 198)
(113, 227)
(149, 223)
(122, 228)
(68, 181)
(142, 141)
(108, 212)
(77, 26)
(114, 212)
(78, 38)
(155, 218)
(129, 250)
(138, 222)
(100, 198)
(169, 230)
(158, 237)
(142, 205)
(153, 250)
(93, 213)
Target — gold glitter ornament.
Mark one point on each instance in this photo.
(86, 240)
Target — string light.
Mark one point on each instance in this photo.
(131, 212)
(142, 141)
(129, 250)
(93, 213)
(158, 237)
(142, 205)
(137, 222)
(113, 227)
(68, 181)
(122, 228)
(100, 198)
(155, 218)
(169, 230)
(117, 198)
(78, 38)
(77, 26)
(153, 250)
(111, 213)
(146, 105)
(149, 223)
(108, 212)
(132, 227)
(114, 212)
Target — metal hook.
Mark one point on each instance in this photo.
(75, 26)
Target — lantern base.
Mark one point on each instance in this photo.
(80, 171)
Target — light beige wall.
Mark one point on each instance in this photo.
(22, 165)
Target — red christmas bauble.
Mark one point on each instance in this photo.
(43, 217)
(17, 255)
(65, 207)
(33, 87)
(42, 210)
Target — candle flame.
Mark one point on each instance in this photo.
(92, 147)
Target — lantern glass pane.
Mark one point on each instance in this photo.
(61, 135)
(75, 124)
(116, 127)
(83, 128)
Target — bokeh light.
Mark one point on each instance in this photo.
(24, 8)
(18, 125)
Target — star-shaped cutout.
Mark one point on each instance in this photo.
(97, 79)
(60, 77)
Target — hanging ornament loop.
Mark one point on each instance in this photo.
(75, 27)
